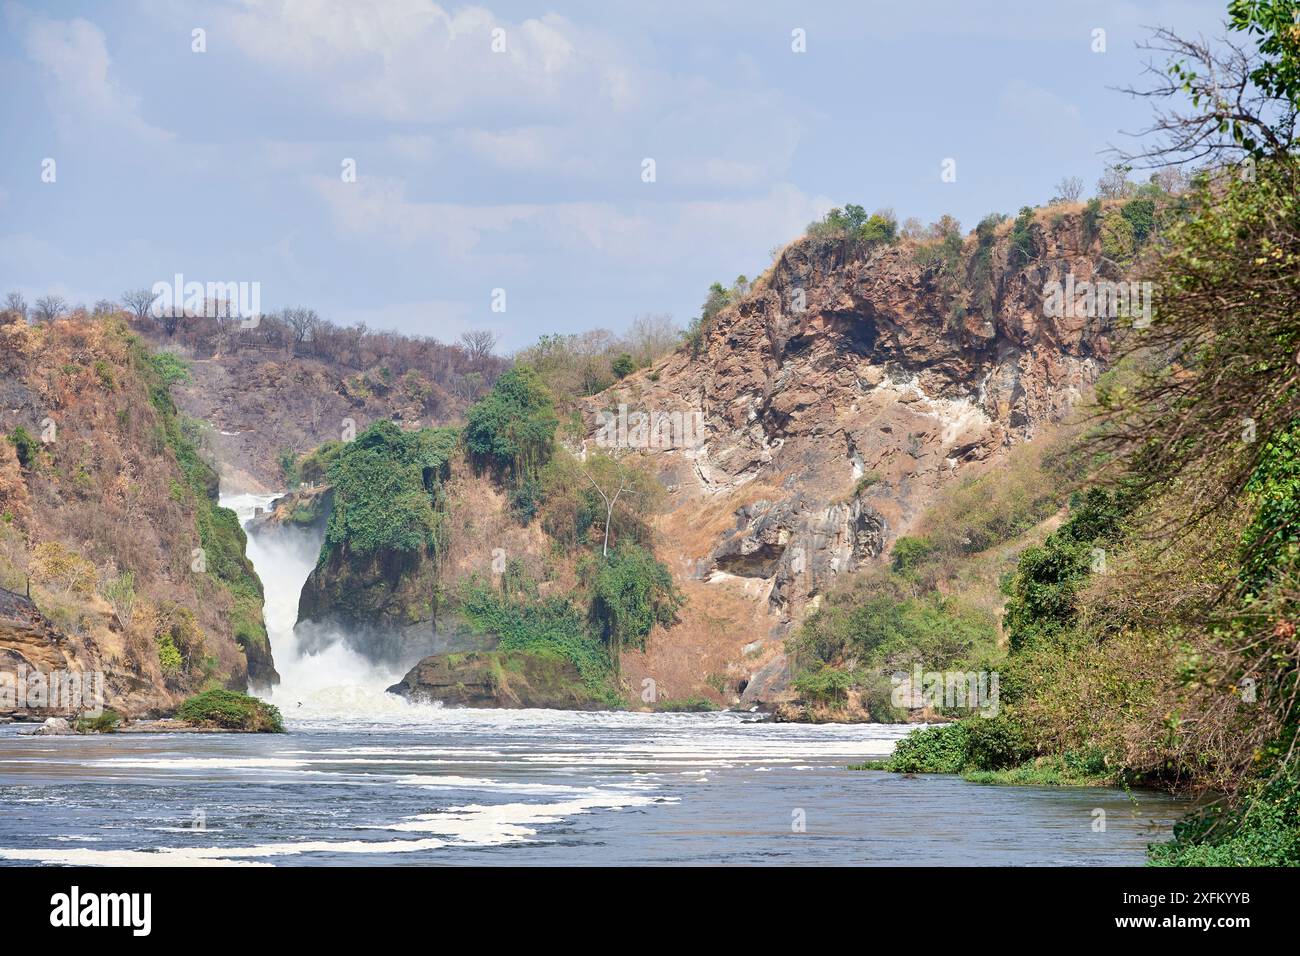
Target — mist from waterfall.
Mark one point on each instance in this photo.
(326, 679)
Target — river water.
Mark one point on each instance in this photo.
(364, 777)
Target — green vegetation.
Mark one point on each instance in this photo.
(26, 447)
(550, 626)
(631, 592)
(686, 705)
(231, 710)
(103, 723)
(852, 222)
(387, 487)
(510, 430)
(220, 535)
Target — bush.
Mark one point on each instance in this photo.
(388, 491)
(623, 366)
(231, 710)
(631, 592)
(823, 685)
(26, 447)
(940, 749)
(105, 723)
(512, 427)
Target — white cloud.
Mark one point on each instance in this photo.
(84, 97)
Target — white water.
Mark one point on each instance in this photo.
(333, 682)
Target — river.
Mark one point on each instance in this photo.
(364, 777)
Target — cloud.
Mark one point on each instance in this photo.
(411, 60)
(84, 96)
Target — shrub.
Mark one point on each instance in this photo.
(823, 685)
(631, 592)
(512, 427)
(387, 491)
(623, 366)
(231, 710)
(25, 445)
(104, 723)
(941, 749)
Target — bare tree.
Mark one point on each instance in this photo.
(1114, 182)
(49, 307)
(138, 301)
(479, 344)
(303, 322)
(1235, 111)
(14, 302)
(1069, 189)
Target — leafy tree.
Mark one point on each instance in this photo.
(512, 427)
(631, 593)
(623, 366)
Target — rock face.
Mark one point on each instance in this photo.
(837, 397)
(496, 679)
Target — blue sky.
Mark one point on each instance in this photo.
(522, 170)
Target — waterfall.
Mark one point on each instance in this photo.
(321, 681)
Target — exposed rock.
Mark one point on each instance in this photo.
(496, 679)
(829, 429)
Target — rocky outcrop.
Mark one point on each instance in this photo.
(496, 679)
(837, 397)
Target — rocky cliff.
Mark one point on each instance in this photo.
(108, 518)
(836, 397)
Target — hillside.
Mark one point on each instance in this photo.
(108, 516)
(909, 367)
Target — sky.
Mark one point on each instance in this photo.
(504, 148)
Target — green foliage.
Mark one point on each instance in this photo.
(1272, 539)
(1022, 238)
(314, 466)
(553, 625)
(25, 445)
(623, 366)
(1091, 220)
(631, 592)
(852, 222)
(231, 710)
(512, 427)
(169, 657)
(941, 749)
(1141, 216)
(1117, 240)
(908, 553)
(388, 491)
(288, 462)
(823, 684)
(686, 705)
(1042, 599)
(104, 723)
(1263, 829)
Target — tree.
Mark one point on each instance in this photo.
(619, 480)
(512, 427)
(14, 302)
(49, 307)
(303, 322)
(478, 344)
(1244, 93)
(623, 366)
(1114, 182)
(631, 592)
(1068, 189)
(138, 301)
